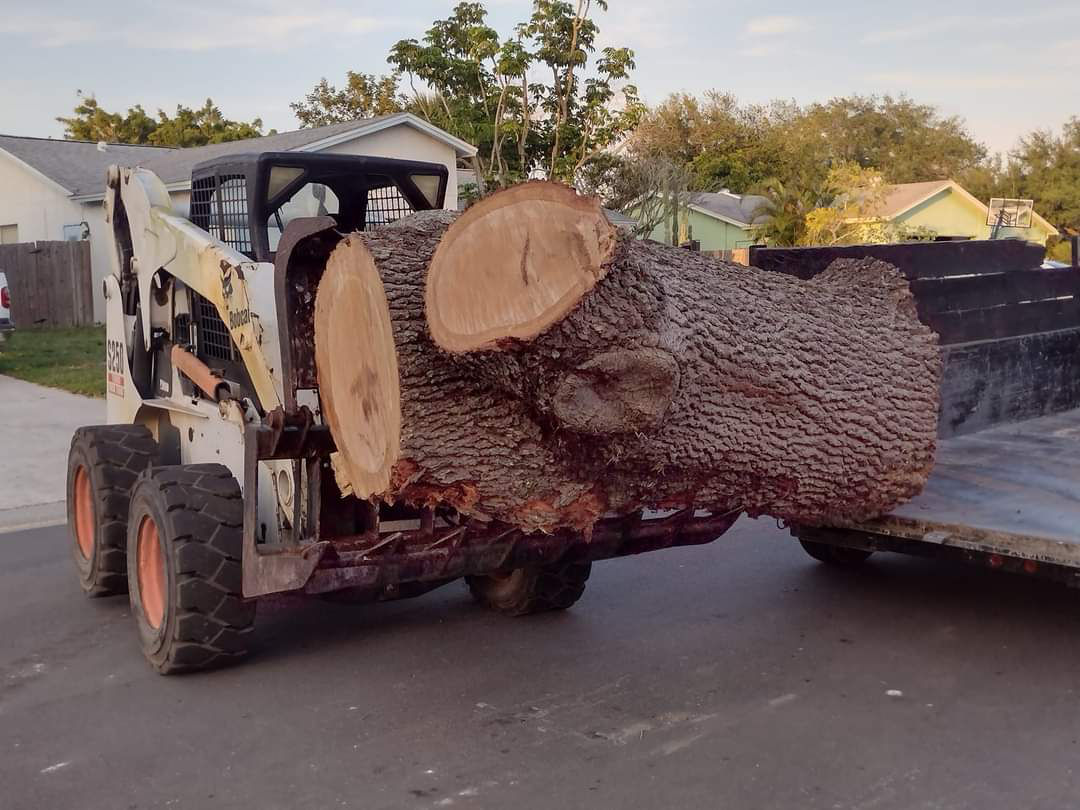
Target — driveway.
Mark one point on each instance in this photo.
(36, 424)
(737, 675)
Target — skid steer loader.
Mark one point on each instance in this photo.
(211, 485)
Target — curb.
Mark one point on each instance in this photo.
(37, 516)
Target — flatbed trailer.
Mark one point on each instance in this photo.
(1005, 489)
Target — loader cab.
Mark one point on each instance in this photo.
(246, 201)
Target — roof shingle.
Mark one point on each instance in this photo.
(78, 166)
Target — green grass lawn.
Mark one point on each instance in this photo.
(72, 359)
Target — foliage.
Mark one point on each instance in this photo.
(1044, 167)
(787, 152)
(722, 143)
(850, 216)
(907, 142)
(188, 127)
(363, 96)
(72, 359)
(788, 203)
(464, 77)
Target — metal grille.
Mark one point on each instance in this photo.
(202, 191)
(219, 206)
(384, 205)
(214, 339)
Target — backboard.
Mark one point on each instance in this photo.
(1010, 213)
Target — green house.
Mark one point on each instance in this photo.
(718, 220)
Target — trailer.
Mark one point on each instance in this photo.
(1005, 489)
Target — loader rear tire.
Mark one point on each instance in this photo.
(103, 465)
(532, 588)
(184, 547)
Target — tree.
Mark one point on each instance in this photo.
(722, 143)
(1046, 168)
(363, 96)
(850, 217)
(483, 88)
(785, 209)
(907, 142)
(92, 123)
(189, 127)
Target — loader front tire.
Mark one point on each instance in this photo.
(531, 588)
(184, 547)
(103, 464)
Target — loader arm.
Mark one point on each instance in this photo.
(150, 236)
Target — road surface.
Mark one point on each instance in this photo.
(738, 675)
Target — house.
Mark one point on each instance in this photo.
(54, 189)
(718, 220)
(947, 209)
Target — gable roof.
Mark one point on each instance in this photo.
(78, 167)
(619, 219)
(905, 196)
(741, 210)
(902, 197)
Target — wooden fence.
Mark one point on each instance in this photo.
(49, 282)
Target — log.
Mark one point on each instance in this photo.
(360, 397)
(613, 374)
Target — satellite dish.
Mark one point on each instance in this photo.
(1006, 212)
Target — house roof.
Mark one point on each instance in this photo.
(619, 219)
(78, 167)
(743, 210)
(902, 197)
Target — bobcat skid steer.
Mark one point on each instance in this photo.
(212, 484)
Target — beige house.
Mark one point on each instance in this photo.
(54, 189)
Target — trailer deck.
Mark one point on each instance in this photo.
(1005, 489)
(1012, 490)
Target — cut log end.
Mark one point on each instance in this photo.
(514, 264)
(357, 366)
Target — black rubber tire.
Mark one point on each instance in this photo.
(199, 513)
(835, 555)
(532, 588)
(114, 456)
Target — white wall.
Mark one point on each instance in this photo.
(41, 210)
(405, 143)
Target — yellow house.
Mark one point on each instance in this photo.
(948, 210)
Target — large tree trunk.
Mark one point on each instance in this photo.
(551, 370)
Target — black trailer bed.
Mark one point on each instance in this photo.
(1012, 490)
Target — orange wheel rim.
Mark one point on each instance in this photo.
(84, 513)
(151, 573)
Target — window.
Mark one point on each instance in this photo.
(9, 234)
(219, 206)
(384, 205)
(77, 232)
(310, 200)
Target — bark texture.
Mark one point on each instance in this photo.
(676, 380)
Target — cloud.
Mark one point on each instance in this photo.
(195, 28)
(774, 25)
(950, 81)
(639, 25)
(949, 24)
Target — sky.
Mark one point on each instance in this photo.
(1005, 67)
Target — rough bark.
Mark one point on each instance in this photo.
(677, 380)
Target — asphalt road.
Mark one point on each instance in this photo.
(737, 675)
